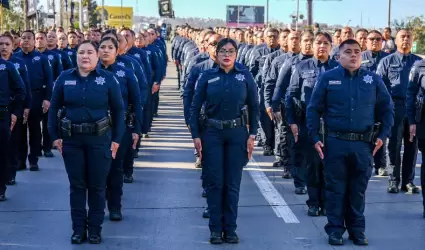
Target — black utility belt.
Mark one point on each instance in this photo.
(366, 137)
(130, 119)
(4, 112)
(218, 124)
(99, 128)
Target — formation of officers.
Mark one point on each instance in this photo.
(325, 107)
(92, 96)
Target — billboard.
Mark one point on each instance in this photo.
(244, 16)
(165, 8)
(116, 16)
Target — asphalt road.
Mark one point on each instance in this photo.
(162, 209)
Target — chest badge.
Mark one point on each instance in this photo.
(36, 58)
(50, 57)
(137, 55)
(121, 64)
(17, 66)
(120, 73)
(240, 77)
(100, 80)
(2, 66)
(367, 79)
(70, 53)
(148, 52)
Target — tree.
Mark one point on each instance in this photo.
(417, 26)
(94, 16)
(13, 17)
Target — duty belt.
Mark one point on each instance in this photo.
(84, 128)
(218, 124)
(350, 136)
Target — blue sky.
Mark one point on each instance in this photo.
(333, 12)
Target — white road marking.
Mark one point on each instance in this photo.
(272, 196)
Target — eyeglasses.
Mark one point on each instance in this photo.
(224, 52)
(378, 39)
(213, 44)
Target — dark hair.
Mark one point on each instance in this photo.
(89, 42)
(41, 32)
(375, 32)
(286, 30)
(337, 30)
(325, 34)
(113, 32)
(362, 30)
(108, 38)
(307, 32)
(349, 42)
(72, 32)
(7, 36)
(29, 31)
(388, 28)
(226, 41)
(404, 29)
(130, 30)
(272, 30)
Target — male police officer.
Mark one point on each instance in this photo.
(415, 114)
(346, 33)
(350, 100)
(41, 81)
(370, 60)
(394, 70)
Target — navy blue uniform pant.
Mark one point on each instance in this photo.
(400, 134)
(34, 128)
(298, 169)
(115, 176)
(147, 113)
(155, 102)
(347, 170)
(14, 148)
(224, 155)
(421, 146)
(87, 161)
(47, 142)
(4, 139)
(267, 125)
(178, 76)
(283, 141)
(380, 157)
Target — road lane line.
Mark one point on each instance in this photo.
(272, 196)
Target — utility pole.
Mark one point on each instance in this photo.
(61, 13)
(389, 13)
(309, 12)
(267, 10)
(80, 16)
(298, 15)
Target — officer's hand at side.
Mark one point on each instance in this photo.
(46, 106)
(12, 121)
(412, 130)
(250, 145)
(155, 88)
(318, 146)
(135, 140)
(378, 145)
(294, 129)
(270, 113)
(198, 146)
(114, 149)
(25, 115)
(278, 116)
(58, 145)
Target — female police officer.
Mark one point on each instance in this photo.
(132, 103)
(226, 144)
(86, 94)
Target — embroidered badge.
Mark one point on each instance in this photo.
(120, 73)
(70, 83)
(2, 66)
(36, 58)
(50, 57)
(240, 77)
(100, 80)
(137, 55)
(17, 65)
(214, 79)
(368, 79)
(334, 82)
(121, 64)
(70, 53)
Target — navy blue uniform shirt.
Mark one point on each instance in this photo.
(394, 70)
(65, 58)
(55, 62)
(284, 79)
(370, 60)
(23, 72)
(142, 57)
(39, 72)
(224, 95)
(350, 104)
(12, 88)
(87, 100)
(130, 91)
(302, 83)
(257, 60)
(416, 82)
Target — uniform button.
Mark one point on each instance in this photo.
(352, 109)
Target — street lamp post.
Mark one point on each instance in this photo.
(389, 13)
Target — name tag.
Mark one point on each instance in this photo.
(308, 74)
(394, 65)
(214, 79)
(334, 82)
(70, 83)
(365, 61)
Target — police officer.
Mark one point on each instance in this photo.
(41, 81)
(256, 67)
(361, 38)
(226, 144)
(296, 100)
(281, 149)
(12, 99)
(130, 92)
(16, 149)
(415, 114)
(297, 162)
(370, 60)
(345, 34)
(52, 41)
(16, 41)
(394, 70)
(86, 140)
(63, 47)
(56, 63)
(350, 100)
(249, 39)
